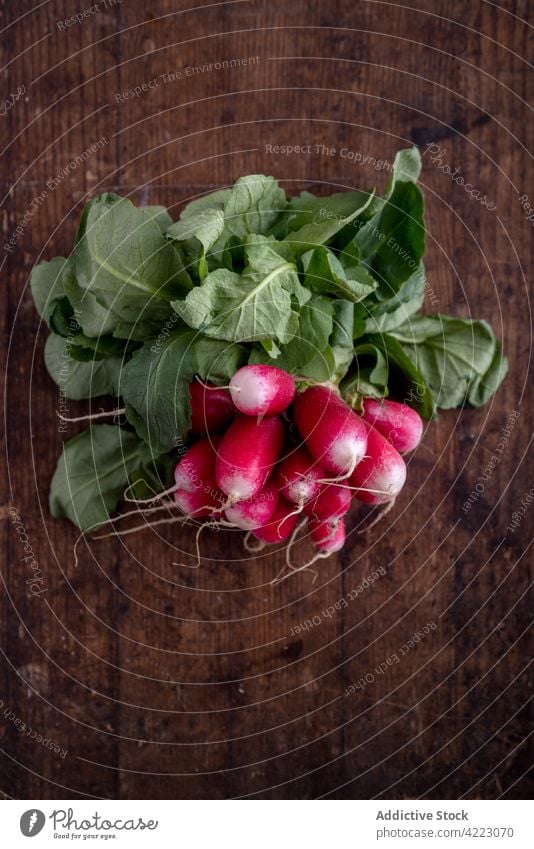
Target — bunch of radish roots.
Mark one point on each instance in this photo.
(267, 456)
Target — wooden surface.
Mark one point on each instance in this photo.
(162, 681)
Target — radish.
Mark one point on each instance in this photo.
(197, 465)
(256, 511)
(298, 476)
(328, 537)
(281, 525)
(383, 470)
(211, 407)
(334, 435)
(247, 455)
(262, 390)
(400, 424)
(200, 503)
(332, 502)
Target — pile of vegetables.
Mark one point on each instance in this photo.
(267, 352)
(265, 470)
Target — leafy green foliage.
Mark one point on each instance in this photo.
(159, 214)
(381, 367)
(261, 303)
(460, 359)
(155, 389)
(392, 242)
(322, 220)
(93, 472)
(218, 361)
(47, 282)
(327, 288)
(125, 261)
(369, 376)
(325, 273)
(310, 341)
(253, 205)
(198, 233)
(406, 168)
(80, 379)
(387, 315)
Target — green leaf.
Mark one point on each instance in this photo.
(81, 347)
(405, 382)
(406, 167)
(392, 242)
(47, 285)
(324, 273)
(159, 214)
(321, 368)
(198, 233)
(155, 388)
(232, 256)
(311, 339)
(62, 319)
(271, 348)
(93, 318)
(361, 314)
(253, 205)
(258, 304)
(323, 219)
(387, 315)
(369, 376)
(213, 200)
(78, 380)
(486, 385)
(218, 361)
(341, 339)
(92, 474)
(308, 354)
(125, 261)
(458, 358)
(339, 207)
(154, 476)
(104, 346)
(343, 323)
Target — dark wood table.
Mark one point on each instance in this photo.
(144, 679)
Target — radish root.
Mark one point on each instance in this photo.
(320, 555)
(290, 543)
(90, 416)
(150, 500)
(114, 532)
(297, 512)
(253, 549)
(205, 385)
(214, 523)
(379, 516)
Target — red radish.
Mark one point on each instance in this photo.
(383, 469)
(334, 435)
(282, 523)
(197, 465)
(400, 425)
(328, 537)
(200, 503)
(247, 455)
(262, 390)
(211, 407)
(332, 502)
(256, 511)
(298, 476)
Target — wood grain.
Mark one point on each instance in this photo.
(169, 682)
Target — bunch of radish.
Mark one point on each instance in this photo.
(267, 454)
